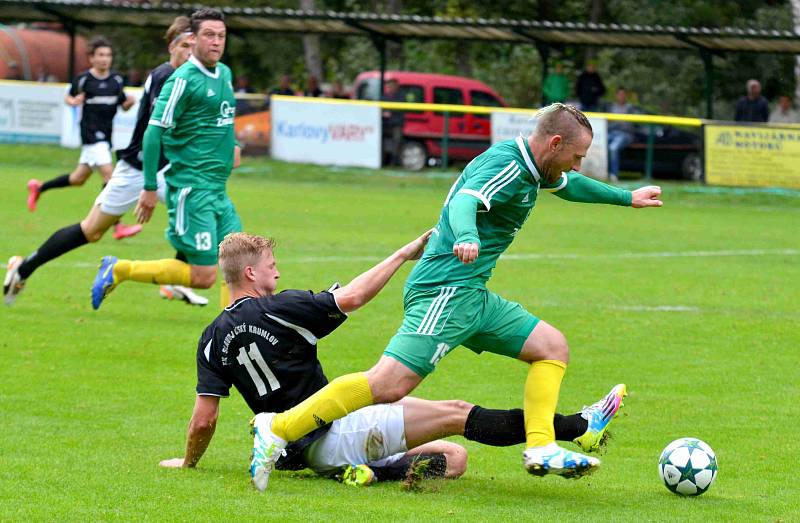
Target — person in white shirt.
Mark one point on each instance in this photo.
(784, 113)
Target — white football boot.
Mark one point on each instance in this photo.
(552, 459)
(179, 292)
(267, 449)
(13, 283)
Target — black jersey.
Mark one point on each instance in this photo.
(267, 349)
(152, 88)
(103, 95)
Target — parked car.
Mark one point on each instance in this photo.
(676, 153)
(469, 134)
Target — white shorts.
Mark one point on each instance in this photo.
(123, 189)
(96, 154)
(374, 435)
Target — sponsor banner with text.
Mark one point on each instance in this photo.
(507, 126)
(325, 133)
(30, 112)
(752, 156)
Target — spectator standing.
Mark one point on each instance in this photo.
(284, 87)
(556, 86)
(620, 133)
(243, 104)
(590, 88)
(753, 107)
(393, 122)
(784, 113)
(312, 87)
(243, 85)
(337, 91)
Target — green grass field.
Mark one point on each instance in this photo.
(694, 306)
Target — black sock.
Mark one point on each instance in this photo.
(397, 470)
(61, 241)
(58, 181)
(501, 428)
(569, 427)
(180, 256)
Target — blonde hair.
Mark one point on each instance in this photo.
(182, 25)
(239, 250)
(562, 119)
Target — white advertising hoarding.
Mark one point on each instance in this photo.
(508, 125)
(326, 133)
(30, 112)
(124, 122)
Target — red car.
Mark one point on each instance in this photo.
(469, 134)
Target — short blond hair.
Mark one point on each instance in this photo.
(239, 250)
(562, 119)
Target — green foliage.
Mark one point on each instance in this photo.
(669, 82)
(92, 400)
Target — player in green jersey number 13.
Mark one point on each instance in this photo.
(193, 122)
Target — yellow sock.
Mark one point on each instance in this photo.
(338, 398)
(163, 272)
(541, 397)
(224, 295)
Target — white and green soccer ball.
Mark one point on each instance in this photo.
(688, 467)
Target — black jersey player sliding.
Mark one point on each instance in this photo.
(265, 345)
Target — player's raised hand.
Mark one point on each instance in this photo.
(174, 463)
(147, 203)
(646, 197)
(413, 250)
(466, 252)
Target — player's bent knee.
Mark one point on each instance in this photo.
(560, 349)
(389, 393)
(554, 345)
(92, 234)
(456, 457)
(203, 278)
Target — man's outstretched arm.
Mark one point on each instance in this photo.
(578, 188)
(201, 430)
(365, 286)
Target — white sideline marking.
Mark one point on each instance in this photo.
(561, 256)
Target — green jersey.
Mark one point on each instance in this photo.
(196, 108)
(504, 182)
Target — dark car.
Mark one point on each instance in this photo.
(676, 153)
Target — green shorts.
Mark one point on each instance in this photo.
(198, 220)
(438, 320)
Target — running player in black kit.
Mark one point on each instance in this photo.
(99, 91)
(123, 189)
(265, 345)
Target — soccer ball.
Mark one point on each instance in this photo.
(688, 467)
